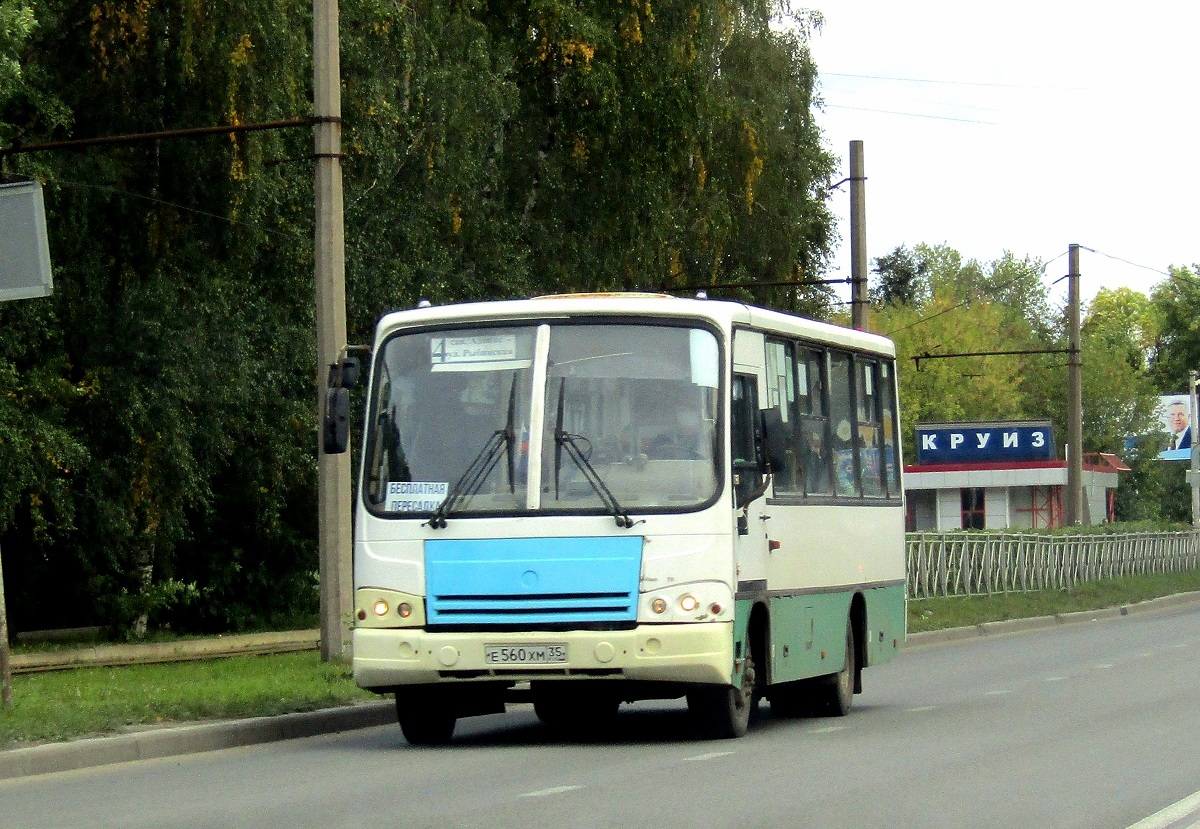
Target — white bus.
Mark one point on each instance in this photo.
(585, 500)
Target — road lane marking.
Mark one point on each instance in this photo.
(1103, 666)
(920, 708)
(997, 693)
(548, 792)
(828, 729)
(1053, 679)
(712, 755)
(1171, 814)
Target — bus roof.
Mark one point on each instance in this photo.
(728, 315)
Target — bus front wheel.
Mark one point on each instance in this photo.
(723, 713)
(424, 721)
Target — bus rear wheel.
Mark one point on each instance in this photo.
(723, 713)
(835, 693)
(424, 721)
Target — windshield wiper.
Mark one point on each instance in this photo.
(481, 467)
(564, 440)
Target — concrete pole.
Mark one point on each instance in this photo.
(858, 238)
(5, 658)
(1074, 509)
(333, 484)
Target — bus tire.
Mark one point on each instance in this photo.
(836, 691)
(425, 722)
(723, 713)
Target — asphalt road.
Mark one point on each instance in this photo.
(1087, 725)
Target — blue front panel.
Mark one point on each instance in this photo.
(532, 581)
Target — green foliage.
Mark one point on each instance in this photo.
(173, 366)
(1176, 303)
(16, 25)
(157, 413)
(931, 302)
(903, 279)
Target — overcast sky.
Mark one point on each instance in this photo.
(1022, 126)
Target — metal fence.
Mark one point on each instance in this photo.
(971, 564)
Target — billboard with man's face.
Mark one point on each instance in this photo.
(1175, 413)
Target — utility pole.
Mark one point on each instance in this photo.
(858, 238)
(1074, 505)
(333, 483)
(5, 663)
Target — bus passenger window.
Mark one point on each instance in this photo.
(842, 418)
(780, 417)
(866, 399)
(891, 445)
(813, 445)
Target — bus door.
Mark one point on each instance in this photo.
(748, 465)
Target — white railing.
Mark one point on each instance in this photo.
(971, 564)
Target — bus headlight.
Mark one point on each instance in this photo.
(379, 608)
(695, 602)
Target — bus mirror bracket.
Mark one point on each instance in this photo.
(343, 376)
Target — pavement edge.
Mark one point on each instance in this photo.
(190, 739)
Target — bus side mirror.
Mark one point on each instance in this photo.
(336, 427)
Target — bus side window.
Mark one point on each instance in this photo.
(891, 444)
(746, 439)
(814, 423)
(842, 416)
(867, 405)
(780, 419)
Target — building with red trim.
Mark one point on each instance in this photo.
(1000, 475)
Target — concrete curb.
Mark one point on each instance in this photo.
(937, 637)
(190, 739)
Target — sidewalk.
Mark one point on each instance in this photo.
(168, 741)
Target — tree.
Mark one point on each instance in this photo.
(1119, 397)
(178, 320)
(954, 389)
(1003, 306)
(162, 402)
(16, 25)
(1176, 302)
(903, 279)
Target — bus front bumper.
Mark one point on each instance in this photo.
(700, 653)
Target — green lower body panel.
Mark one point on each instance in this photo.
(808, 631)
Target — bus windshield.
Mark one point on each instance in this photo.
(628, 420)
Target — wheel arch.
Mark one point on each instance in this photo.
(858, 624)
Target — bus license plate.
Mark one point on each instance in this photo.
(534, 654)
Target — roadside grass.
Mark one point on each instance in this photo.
(81, 702)
(964, 611)
(62, 705)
